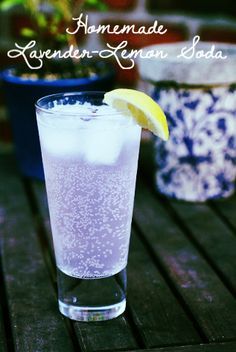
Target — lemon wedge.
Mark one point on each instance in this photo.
(143, 109)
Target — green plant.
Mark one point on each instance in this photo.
(49, 20)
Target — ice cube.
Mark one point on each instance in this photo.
(103, 145)
(97, 135)
(60, 144)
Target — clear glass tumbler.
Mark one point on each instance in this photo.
(90, 155)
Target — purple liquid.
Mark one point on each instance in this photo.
(91, 205)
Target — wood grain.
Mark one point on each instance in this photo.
(226, 209)
(212, 347)
(211, 305)
(36, 324)
(214, 238)
(3, 345)
(156, 311)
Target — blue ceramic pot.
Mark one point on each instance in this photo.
(199, 160)
(198, 96)
(21, 95)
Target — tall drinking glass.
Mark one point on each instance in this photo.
(90, 154)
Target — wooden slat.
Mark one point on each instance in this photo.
(3, 303)
(212, 347)
(215, 239)
(36, 324)
(227, 208)
(99, 336)
(3, 346)
(157, 313)
(211, 304)
(112, 335)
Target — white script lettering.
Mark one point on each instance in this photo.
(117, 29)
(192, 52)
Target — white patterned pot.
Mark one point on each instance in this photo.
(199, 160)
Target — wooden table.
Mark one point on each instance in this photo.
(181, 275)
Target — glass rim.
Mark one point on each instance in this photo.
(56, 96)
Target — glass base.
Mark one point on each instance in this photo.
(92, 299)
(90, 313)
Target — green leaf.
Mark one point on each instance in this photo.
(61, 38)
(53, 29)
(57, 17)
(8, 4)
(102, 7)
(96, 4)
(28, 33)
(41, 20)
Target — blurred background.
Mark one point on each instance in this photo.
(212, 20)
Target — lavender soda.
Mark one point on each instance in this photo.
(90, 154)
